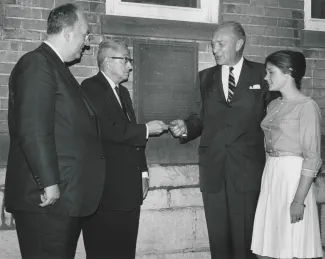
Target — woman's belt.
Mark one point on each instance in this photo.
(283, 153)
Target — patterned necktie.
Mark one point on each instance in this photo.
(231, 85)
(117, 89)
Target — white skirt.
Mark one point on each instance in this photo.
(273, 233)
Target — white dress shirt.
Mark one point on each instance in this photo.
(113, 85)
(225, 75)
(54, 49)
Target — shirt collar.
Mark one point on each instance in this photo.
(237, 67)
(110, 81)
(54, 49)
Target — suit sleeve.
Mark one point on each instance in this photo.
(194, 123)
(129, 134)
(144, 167)
(34, 101)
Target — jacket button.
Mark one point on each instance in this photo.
(137, 148)
(102, 157)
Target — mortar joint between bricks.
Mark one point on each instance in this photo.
(169, 199)
(169, 188)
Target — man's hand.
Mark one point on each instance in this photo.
(156, 127)
(145, 186)
(178, 128)
(50, 195)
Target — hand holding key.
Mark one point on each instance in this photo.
(156, 127)
(178, 128)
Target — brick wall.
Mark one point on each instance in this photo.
(172, 219)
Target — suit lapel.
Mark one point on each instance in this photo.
(217, 84)
(66, 73)
(61, 67)
(128, 104)
(244, 76)
(110, 94)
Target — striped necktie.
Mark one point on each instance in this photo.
(231, 85)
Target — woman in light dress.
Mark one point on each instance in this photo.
(286, 221)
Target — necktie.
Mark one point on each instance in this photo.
(231, 85)
(117, 89)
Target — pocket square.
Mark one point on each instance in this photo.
(255, 87)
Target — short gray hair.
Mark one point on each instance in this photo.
(236, 28)
(106, 45)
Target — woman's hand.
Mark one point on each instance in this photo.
(296, 211)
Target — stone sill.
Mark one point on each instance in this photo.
(156, 28)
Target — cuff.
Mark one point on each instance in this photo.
(147, 132)
(145, 175)
(184, 135)
(308, 172)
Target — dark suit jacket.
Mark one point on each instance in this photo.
(232, 140)
(124, 144)
(54, 138)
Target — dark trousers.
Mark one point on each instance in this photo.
(230, 218)
(46, 236)
(111, 234)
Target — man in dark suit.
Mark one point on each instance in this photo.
(56, 166)
(230, 101)
(111, 233)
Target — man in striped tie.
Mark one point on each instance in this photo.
(231, 100)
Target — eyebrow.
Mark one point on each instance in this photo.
(217, 41)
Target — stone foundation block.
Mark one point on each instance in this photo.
(185, 255)
(186, 197)
(156, 199)
(169, 231)
(173, 175)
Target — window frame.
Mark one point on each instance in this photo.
(208, 13)
(312, 24)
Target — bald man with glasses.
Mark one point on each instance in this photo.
(112, 231)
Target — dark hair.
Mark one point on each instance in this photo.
(61, 17)
(290, 62)
(237, 29)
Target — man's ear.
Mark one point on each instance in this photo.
(106, 63)
(239, 44)
(67, 33)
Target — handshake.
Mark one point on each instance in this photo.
(176, 127)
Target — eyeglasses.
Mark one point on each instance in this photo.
(125, 59)
(88, 37)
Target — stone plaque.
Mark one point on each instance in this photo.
(164, 79)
